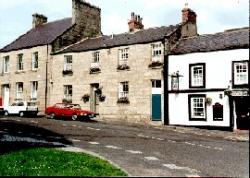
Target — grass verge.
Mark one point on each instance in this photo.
(51, 162)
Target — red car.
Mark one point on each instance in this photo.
(68, 110)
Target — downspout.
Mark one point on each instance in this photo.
(46, 78)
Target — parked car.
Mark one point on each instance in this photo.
(21, 108)
(72, 111)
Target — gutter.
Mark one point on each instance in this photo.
(46, 80)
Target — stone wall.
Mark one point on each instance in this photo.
(27, 75)
(139, 77)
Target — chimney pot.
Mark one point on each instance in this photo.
(135, 23)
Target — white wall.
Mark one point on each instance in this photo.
(218, 76)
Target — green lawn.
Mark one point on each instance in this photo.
(51, 162)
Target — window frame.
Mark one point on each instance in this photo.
(191, 108)
(4, 64)
(191, 75)
(123, 56)
(20, 62)
(19, 93)
(35, 61)
(121, 91)
(68, 66)
(242, 85)
(156, 47)
(66, 92)
(32, 91)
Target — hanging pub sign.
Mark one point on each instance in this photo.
(175, 81)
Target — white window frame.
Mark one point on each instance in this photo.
(34, 90)
(241, 73)
(68, 92)
(6, 65)
(68, 63)
(19, 90)
(123, 90)
(123, 56)
(197, 75)
(20, 64)
(198, 107)
(35, 61)
(95, 59)
(157, 52)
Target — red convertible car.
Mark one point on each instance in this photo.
(68, 110)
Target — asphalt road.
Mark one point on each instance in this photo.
(139, 150)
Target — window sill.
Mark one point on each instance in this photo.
(156, 65)
(34, 70)
(70, 73)
(95, 71)
(123, 68)
(123, 101)
(20, 72)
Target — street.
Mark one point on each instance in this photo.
(139, 150)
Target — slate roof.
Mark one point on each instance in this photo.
(139, 37)
(230, 39)
(42, 35)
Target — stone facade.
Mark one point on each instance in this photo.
(27, 75)
(139, 77)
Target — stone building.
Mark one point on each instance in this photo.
(25, 63)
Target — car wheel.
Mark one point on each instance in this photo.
(52, 116)
(74, 117)
(6, 113)
(21, 114)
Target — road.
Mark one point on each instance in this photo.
(140, 150)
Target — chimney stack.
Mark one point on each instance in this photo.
(135, 23)
(38, 19)
(189, 22)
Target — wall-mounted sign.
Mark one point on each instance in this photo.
(175, 81)
(236, 93)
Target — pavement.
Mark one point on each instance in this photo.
(140, 151)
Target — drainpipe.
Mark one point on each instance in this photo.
(46, 80)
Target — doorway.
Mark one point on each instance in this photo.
(156, 109)
(6, 95)
(242, 105)
(94, 97)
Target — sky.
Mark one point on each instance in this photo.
(213, 15)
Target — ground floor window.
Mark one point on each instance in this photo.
(34, 88)
(123, 90)
(68, 93)
(197, 107)
(19, 91)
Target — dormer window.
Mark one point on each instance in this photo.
(20, 62)
(240, 73)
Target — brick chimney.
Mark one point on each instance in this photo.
(38, 19)
(189, 22)
(135, 23)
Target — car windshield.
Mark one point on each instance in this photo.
(31, 104)
(74, 106)
(18, 104)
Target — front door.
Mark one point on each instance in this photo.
(242, 112)
(6, 95)
(94, 98)
(156, 109)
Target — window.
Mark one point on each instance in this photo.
(68, 92)
(197, 107)
(95, 59)
(123, 90)
(34, 88)
(156, 52)
(68, 63)
(20, 62)
(6, 64)
(35, 61)
(156, 84)
(123, 56)
(19, 91)
(197, 76)
(240, 73)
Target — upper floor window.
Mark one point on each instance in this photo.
(156, 52)
(123, 90)
(34, 89)
(19, 90)
(95, 59)
(20, 62)
(123, 55)
(6, 64)
(68, 61)
(34, 61)
(240, 73)
(197, 75)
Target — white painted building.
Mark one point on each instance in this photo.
(208, 81)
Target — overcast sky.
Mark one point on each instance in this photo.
(213, 15)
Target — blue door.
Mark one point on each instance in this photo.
(156, 107)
